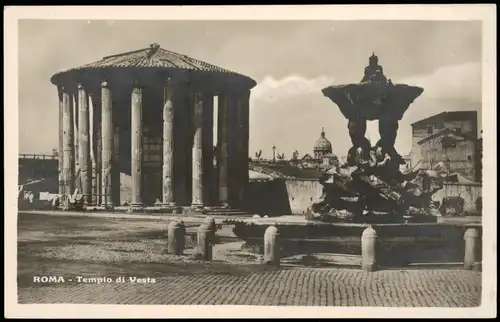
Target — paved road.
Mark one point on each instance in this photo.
(290, 286)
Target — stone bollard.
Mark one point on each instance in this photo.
(210, 222)
(272, 246)
(204, 242)
(471, 238)
(368, 250)
(176, 238)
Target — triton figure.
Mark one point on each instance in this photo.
(374, 72)
(371, 183)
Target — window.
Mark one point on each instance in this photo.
(448, 142)
(430, 129)
(469, 157)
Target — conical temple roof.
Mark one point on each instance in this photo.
(152, 57)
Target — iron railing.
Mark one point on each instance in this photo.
(38, 156)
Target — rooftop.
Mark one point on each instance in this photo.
(448, 116)
(152, 57)
(444, 132)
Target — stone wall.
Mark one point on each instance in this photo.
(460, 159)
(469, 192)
(281, 196)
(302, 193)
(125, 189)
(294, 196)
(36, 169)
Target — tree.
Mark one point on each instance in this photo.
(295, 157)
(281, 157)
(258, 155)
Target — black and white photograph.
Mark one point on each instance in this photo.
(244, 161)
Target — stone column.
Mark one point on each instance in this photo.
(68, 156)
(222, 149)
(233, 139)
(245, 138)
(76, 159)
(181, 143)
(136, 148)
(60, 150)
(98, 154)
(241, 137)
(107, 139)
(84, 144)
(116, 162)
(94, 147)
(168, 145)
(197, 167)
(208, 149)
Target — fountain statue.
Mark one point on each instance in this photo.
(370, 187)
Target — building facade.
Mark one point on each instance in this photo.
(451, 151)
(152, 114)
(447, 140)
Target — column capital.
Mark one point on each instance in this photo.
(60, 90)
(64, 88)
(105, 84)
(82, 86)
(183, 82)
(69, 88)
(169, 80)
(243, 91)
(174, 82)
(136, 94)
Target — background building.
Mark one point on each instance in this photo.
(322, 146)
(448, 140)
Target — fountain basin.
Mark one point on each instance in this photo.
(373, 101)
(397, 244)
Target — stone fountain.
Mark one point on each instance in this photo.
(370, 187)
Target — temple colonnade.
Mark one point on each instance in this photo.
(157, 126)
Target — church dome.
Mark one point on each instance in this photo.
(323, 145)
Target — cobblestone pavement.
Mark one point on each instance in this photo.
(288, 286)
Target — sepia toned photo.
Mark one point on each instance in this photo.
(321, 163)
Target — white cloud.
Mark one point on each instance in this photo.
(450, 82)
(291, 111)
(272, 90)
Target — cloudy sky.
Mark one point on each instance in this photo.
(290, 60)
